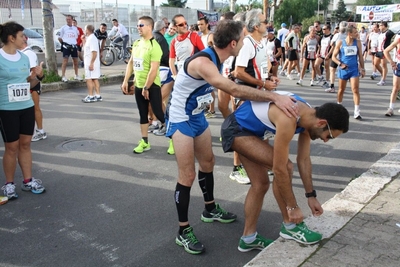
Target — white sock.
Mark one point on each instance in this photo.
(391, 105)
(40, 130)
(356, 108)
(249, 238)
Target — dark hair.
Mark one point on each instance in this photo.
(228, 15)
(115, 20)
(328, 26)
(335, 114)
(103, 24)
(176, 16)
(384, 23)
(9, 28)
(148, 19)
(74, 20)
(205, 21)
(194, 27)
(226, 32)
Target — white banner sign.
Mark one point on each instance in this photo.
(371, 16)
(378, 9)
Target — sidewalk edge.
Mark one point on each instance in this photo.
(338, 211)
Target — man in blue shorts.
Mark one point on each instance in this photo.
(247, 128)
(189, 129)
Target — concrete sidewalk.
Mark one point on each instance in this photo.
(112, 74)
(360, 225)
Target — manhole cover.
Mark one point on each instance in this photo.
(79, 144)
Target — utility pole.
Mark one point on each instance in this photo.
(233, 6)
(152, 10)
(48, 21)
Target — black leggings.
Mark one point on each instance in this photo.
(155, 102)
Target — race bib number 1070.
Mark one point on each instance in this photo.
(18, 92)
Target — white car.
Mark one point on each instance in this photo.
(57, 44)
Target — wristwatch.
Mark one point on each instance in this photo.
(145, 88)
(312, 194)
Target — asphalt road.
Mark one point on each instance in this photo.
(105, 206)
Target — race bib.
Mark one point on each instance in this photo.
(264, 70)
(311, 48)
(18, 92)
(350, 50)
(202, 103)
(138, 64)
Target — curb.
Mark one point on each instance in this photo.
(338, 211)
(57, 86)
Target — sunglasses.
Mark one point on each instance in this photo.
(182, 24)
(330, 133)
(140, 25)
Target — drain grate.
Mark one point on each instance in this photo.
(79, 144)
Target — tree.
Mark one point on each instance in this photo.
(297, 10)
(341, 13)
(47, 21)
(175, 3)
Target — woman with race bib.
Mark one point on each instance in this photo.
(348, 56)
(17, 114)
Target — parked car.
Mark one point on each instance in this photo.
(35, 40)
(57, 44)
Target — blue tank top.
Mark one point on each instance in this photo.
(349, 55)
(191, 96)
(253, 116)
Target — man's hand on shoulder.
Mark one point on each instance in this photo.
(287, 104)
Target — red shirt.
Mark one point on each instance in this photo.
(79, 39)
(183, 46)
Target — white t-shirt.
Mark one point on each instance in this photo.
(33, 60)
(120, 30)
(282, 35)
(69, 34)
(373, 37)
(91, 45)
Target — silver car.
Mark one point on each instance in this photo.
(57, 45)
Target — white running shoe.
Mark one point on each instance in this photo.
(381, 83)
(289, 77)
(78, 78)
(64, 79)
(300, 82)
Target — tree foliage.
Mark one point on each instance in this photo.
(297, 10)
(341, 13)
(175, 3)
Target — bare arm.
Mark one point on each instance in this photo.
(360, 58)
(336, 52)
(305, 169)
(392, 46)
(172, 66)
(202, 67)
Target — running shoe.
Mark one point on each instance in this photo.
(98, 98)
(210, 114)
(142, 146)
(9, 191)
(89, 99)
(312, 83)
(373, 76)
(300, 82)
(39, 136)
(77, 78)
(161, 131)
(289, 77)
(357, 115)
(330, 90)
(171, 150)
(64, 79)
(189, 241)
(35, 186)
(326, 85)
(381, 83)
(152, 128)
(218, 214)
(300, 234)
(259, 243)
(240, 176)
(389, 112)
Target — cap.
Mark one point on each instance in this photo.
(271, 30)
(283, 24)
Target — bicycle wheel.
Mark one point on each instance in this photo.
(128, 54)
(108, 57)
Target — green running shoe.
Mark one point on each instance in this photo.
(218, 214)
(301, 234)
(189, 242)
(143, 146)
(260, 243)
